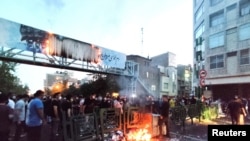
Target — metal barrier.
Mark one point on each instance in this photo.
(179, 114)
(97, 125)
(194, 110)
(110, 120)
(79, 127)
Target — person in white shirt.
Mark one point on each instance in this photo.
(20, 115)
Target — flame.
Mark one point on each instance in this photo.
(139, 135)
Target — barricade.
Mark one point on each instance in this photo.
(135, 118)
(110, 121)
(80, 127)
(178, 115)
(194, 111)
(99, 124)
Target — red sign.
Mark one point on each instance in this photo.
(203, 73)
(202, 82)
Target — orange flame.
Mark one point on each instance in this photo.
(139, 135)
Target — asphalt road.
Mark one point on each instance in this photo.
(192, 132)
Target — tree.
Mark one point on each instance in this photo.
(100, 86)
(9, 82)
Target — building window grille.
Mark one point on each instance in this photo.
(216, 61)
(244, 56)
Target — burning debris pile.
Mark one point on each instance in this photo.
(115, 136)
(139, 135)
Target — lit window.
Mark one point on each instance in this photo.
(244, 56)
(216, 61)
(153, 87)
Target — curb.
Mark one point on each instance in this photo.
(180, 136)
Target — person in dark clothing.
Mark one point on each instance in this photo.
(67, 107)
(89, 104)
(5, 117)
(192, 100)
(236, 108)
(56, 115)
(164, 116)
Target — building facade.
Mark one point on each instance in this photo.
(156, 76)
(184, 78)
(222, 47)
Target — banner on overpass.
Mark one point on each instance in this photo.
(23, 37)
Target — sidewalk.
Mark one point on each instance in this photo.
(198, 131)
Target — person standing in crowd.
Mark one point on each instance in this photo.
(164, 116)
(35, 117)
(20, 115)
(67, 107)
(193, 100)
(11, 102)
(5, 117)
(117, 104)
(56, 116)
(89, 104)
(236, 109)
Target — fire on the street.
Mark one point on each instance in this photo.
(139, 135)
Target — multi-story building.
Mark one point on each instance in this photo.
(184, 78)
(222, 46)
(156, 76)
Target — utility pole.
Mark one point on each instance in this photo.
(142, 41)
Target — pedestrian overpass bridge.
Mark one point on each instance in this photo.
(28, 45)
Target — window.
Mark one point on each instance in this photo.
(215, 2)
(245, 8)
(199, 12)
(153, 87)
(217, 18)
(200, 29)
(216, 61)
(244, 56)
(244, 32)
(216, 40)
(231, 54)
(165, 85)
(231, 7)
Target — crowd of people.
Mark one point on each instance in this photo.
(27, 114)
